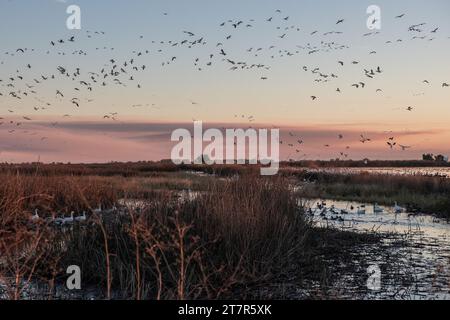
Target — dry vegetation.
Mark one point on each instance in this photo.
(234, 233)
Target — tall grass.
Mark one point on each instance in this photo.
(128, 169)
(241, 231)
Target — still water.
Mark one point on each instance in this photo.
(414, 257)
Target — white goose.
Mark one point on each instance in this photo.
(397, 208)
(377, 208)
(68, 220)
(98, 210)
(58, 221)
(81, 218)
(35, 217)
(361, 210)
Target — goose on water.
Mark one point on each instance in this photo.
(35, 217)
(377, 208)
(81, 218)
(397, 208)
(69, 219)
(98, 210)
(57, 221)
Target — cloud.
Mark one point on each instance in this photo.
(93, 141)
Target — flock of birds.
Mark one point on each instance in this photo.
(76, 86)
(335, 214)
(321, 209)
(61, 220)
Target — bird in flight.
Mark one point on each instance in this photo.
(404, 147)
(364, 139)
(340, 21)
(391, 144)
(75, 102)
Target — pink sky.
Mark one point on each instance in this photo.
(154, 73)
(94, 141)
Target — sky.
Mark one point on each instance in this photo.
(181, 82)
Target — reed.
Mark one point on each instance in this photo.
(238, 232)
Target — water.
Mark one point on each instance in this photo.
(422, 171)
(414, 256)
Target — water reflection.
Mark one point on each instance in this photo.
(414, 256)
